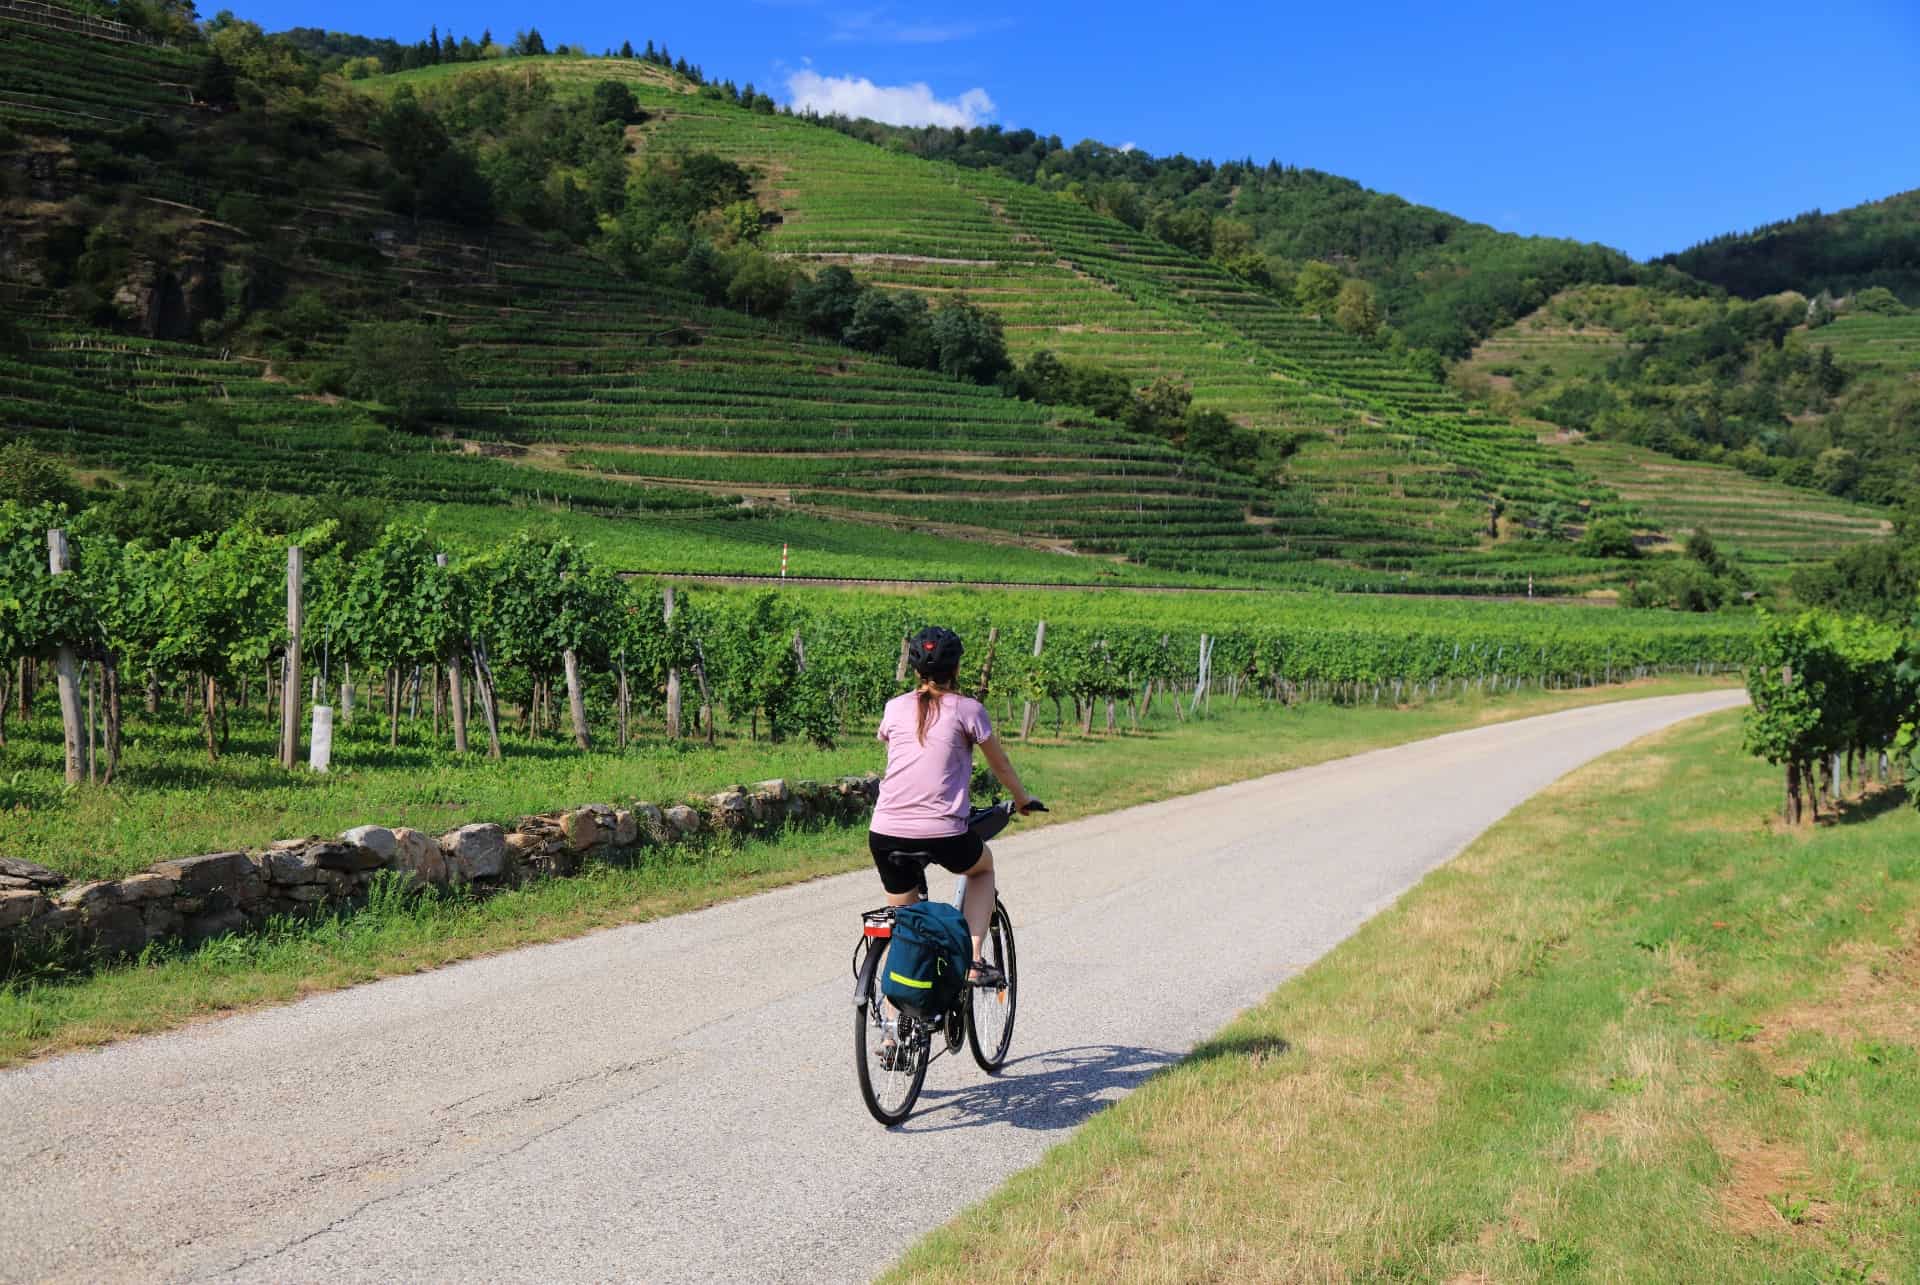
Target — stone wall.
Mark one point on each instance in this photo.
(197, 898)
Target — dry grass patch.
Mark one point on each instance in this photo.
(1766, 1189)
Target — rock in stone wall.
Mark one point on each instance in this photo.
(194, 899)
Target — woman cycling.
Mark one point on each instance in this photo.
(930, 734)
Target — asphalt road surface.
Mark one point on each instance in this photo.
(675, 1101)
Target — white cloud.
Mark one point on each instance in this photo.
(1128, 147)
(913, 104)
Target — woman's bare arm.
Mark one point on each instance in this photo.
(1003, 770)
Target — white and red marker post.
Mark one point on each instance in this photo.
(783, 562)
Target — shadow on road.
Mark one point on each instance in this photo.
(1053, 1090)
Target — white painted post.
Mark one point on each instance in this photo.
(320, 748)
(456, 691)
(290, 689)
(1027, 711)
(673, 676)
(66, 671)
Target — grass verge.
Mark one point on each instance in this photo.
(52, 1011)
(1635, 1032)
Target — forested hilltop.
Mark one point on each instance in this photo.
(1844, 253)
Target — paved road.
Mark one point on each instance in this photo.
(675, 1100)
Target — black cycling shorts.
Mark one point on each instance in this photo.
(902, 862)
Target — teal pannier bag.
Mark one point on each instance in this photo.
(927, 961)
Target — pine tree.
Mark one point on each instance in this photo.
(650, 56)
(626, 48)
(433, 45)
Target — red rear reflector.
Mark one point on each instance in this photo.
(879, 930)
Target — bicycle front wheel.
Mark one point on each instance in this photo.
(890, 1053)
(991, 1009)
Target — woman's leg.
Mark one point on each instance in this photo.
(977, 905)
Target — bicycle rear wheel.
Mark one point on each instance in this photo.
(890, 1077)
(990, 1009)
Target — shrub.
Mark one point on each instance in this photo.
(405, 366)
(30, 478)
(1609, 538)
(614, 102)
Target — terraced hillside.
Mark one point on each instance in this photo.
(1887, 347)
(592, 394)
(589, 393)
(1768, 528)
(1561, 350)
(1400, 470)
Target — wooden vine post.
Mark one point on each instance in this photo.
(290, 684)
(456, 689)
(66, 671)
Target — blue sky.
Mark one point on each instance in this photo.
(1645, 126)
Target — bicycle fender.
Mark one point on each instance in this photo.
(864, 981)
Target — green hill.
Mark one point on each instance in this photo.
(584, 393)
(1442, 281)
(194, 241)
(1399, 470)
(240, 241)
(1821, 397)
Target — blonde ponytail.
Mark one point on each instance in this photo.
(930, 692)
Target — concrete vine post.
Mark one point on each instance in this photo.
(623, 695)
(290, 685)
(1027, 710)
(456, 690)
(67, 670)
(576, 701)
(706, 697)
(673, 677)
(489, 699)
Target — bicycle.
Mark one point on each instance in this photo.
(893, 1069)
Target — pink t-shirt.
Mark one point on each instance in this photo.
(924, 793)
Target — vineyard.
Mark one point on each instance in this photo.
(601, 401)
(1398, 470)
(470, 635)
(1766, 527)
(1865, 341)
(1834, 700)
(1781, 382)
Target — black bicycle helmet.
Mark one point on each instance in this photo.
(935, 652)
